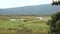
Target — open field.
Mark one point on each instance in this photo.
(28, 26)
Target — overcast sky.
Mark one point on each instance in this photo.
(20, 3)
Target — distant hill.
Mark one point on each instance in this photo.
(45, 9)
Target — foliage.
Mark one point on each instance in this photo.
(56, 3)
(58, 25)
(21, 26)
(54, 23)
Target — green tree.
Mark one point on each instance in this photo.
(53, 23)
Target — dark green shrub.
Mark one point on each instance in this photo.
(54, 24)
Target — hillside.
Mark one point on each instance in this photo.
(45, 9)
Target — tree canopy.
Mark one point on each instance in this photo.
(55, 2)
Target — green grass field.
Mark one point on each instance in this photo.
(31, 26)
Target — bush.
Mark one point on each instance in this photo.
(54, 23)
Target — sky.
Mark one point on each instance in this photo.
(21, 3)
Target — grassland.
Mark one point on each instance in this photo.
(30, 26)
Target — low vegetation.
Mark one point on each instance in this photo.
(30, 26)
